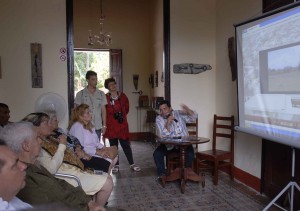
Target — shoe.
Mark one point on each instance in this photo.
(135, 167)
(115, 169)
(163, 175)
(161, 180)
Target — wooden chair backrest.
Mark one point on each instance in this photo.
(192, 128)
(223, 127)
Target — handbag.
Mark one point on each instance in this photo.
(111, 152)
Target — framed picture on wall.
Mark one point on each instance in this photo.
(36, 65)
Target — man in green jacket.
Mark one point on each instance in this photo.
(41, 186)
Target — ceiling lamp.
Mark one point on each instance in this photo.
(103, 38)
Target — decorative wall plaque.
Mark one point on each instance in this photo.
(36, 65)
(190, 68)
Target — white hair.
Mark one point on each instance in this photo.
(14, 134)
(51, 113)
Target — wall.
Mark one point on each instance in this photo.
(193, 40)
(22, 23)
(199, 33)
(131, 25)
(247, 147)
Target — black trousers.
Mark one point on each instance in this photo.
(96, 163)
(125, 144)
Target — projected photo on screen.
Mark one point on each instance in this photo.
(268, 64)
(280, 70)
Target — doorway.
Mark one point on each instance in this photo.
(81, 44)
(95, 60)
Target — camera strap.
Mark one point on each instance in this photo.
(112, 102)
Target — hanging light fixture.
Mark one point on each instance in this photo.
(103, 38)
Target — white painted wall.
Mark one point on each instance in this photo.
(199, 33)
(247, 147)
(22, 23)
(193, 40)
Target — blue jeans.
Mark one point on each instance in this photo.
(160, 153)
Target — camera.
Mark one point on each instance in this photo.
(119, 116)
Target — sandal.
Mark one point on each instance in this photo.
(115, 169)
(135, 167)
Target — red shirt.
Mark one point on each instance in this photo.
(115, 129)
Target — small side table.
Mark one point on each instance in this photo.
(183, 173)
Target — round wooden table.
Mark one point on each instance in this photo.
(183, 173)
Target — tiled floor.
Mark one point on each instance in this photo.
(141, 191)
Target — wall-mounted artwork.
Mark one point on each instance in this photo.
(190, 68)
(135, 78)
(232, 57)
(156, 78)
(36, 65)
(151, 80)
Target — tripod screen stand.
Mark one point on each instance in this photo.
(291, 185)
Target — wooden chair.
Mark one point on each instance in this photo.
(173, 159)
(192, 128)
(223, 128)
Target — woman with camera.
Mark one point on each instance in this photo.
(82, 128)
(117, 130)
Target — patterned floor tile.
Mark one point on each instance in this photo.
(140, 191)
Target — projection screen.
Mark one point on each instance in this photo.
(268, 65)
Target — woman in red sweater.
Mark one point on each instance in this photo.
(117, 130)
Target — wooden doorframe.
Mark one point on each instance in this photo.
(166, 29)
(70, 53)
(70, 50)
